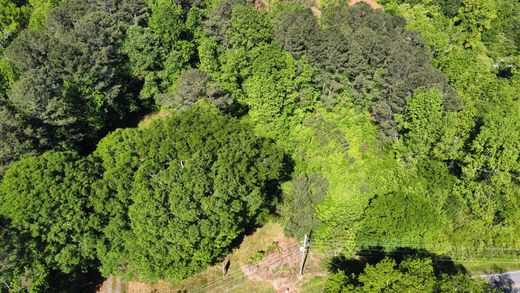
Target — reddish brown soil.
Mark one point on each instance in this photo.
(280, 267)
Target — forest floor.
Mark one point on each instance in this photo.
(265, 262)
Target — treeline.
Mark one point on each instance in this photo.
(398, 128)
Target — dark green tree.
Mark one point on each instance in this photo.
(19, 272)
(381, 62)
(195, 180)
(219, 21)
(73, 78)
(295, 28)
(19, 138)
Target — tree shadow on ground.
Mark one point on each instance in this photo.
(442, 264)
(89, 280)
(372, 255)
(504, 283)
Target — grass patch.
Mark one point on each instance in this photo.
(148, 119)
(313, 285)
(261, 239)
(484, 268)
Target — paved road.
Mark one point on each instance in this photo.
(509, 281)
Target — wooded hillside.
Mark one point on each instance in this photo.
(394, 128)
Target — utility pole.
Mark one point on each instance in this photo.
(304, 250)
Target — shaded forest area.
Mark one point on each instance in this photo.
(394, 127)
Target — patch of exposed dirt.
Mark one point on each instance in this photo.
(279, 267)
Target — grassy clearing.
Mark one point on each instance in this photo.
(313, 285)
(148, 119)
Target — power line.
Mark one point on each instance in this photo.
(454, 255)
(248, 280)
(241, 281)
(321, 242)
(369, 250)
(291, 252)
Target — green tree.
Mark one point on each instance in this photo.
(299, 206)
(166, 21)
(7, 78)
(195, 180)
(47, 197)
(144, 49)
(160, 48)
(40, 10)
(411, 274)
(278, 85)
(400, 218)
(421, 122)
(249, 28)
(13, 18)
(495, 147)
(119, 156)
(475, 16)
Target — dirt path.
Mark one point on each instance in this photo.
(118, 285)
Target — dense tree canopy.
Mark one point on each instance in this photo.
(195, 180)
(365, 126)
(46, 199)
(47, 196)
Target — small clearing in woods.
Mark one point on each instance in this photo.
(150, 118)
(266, 261)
